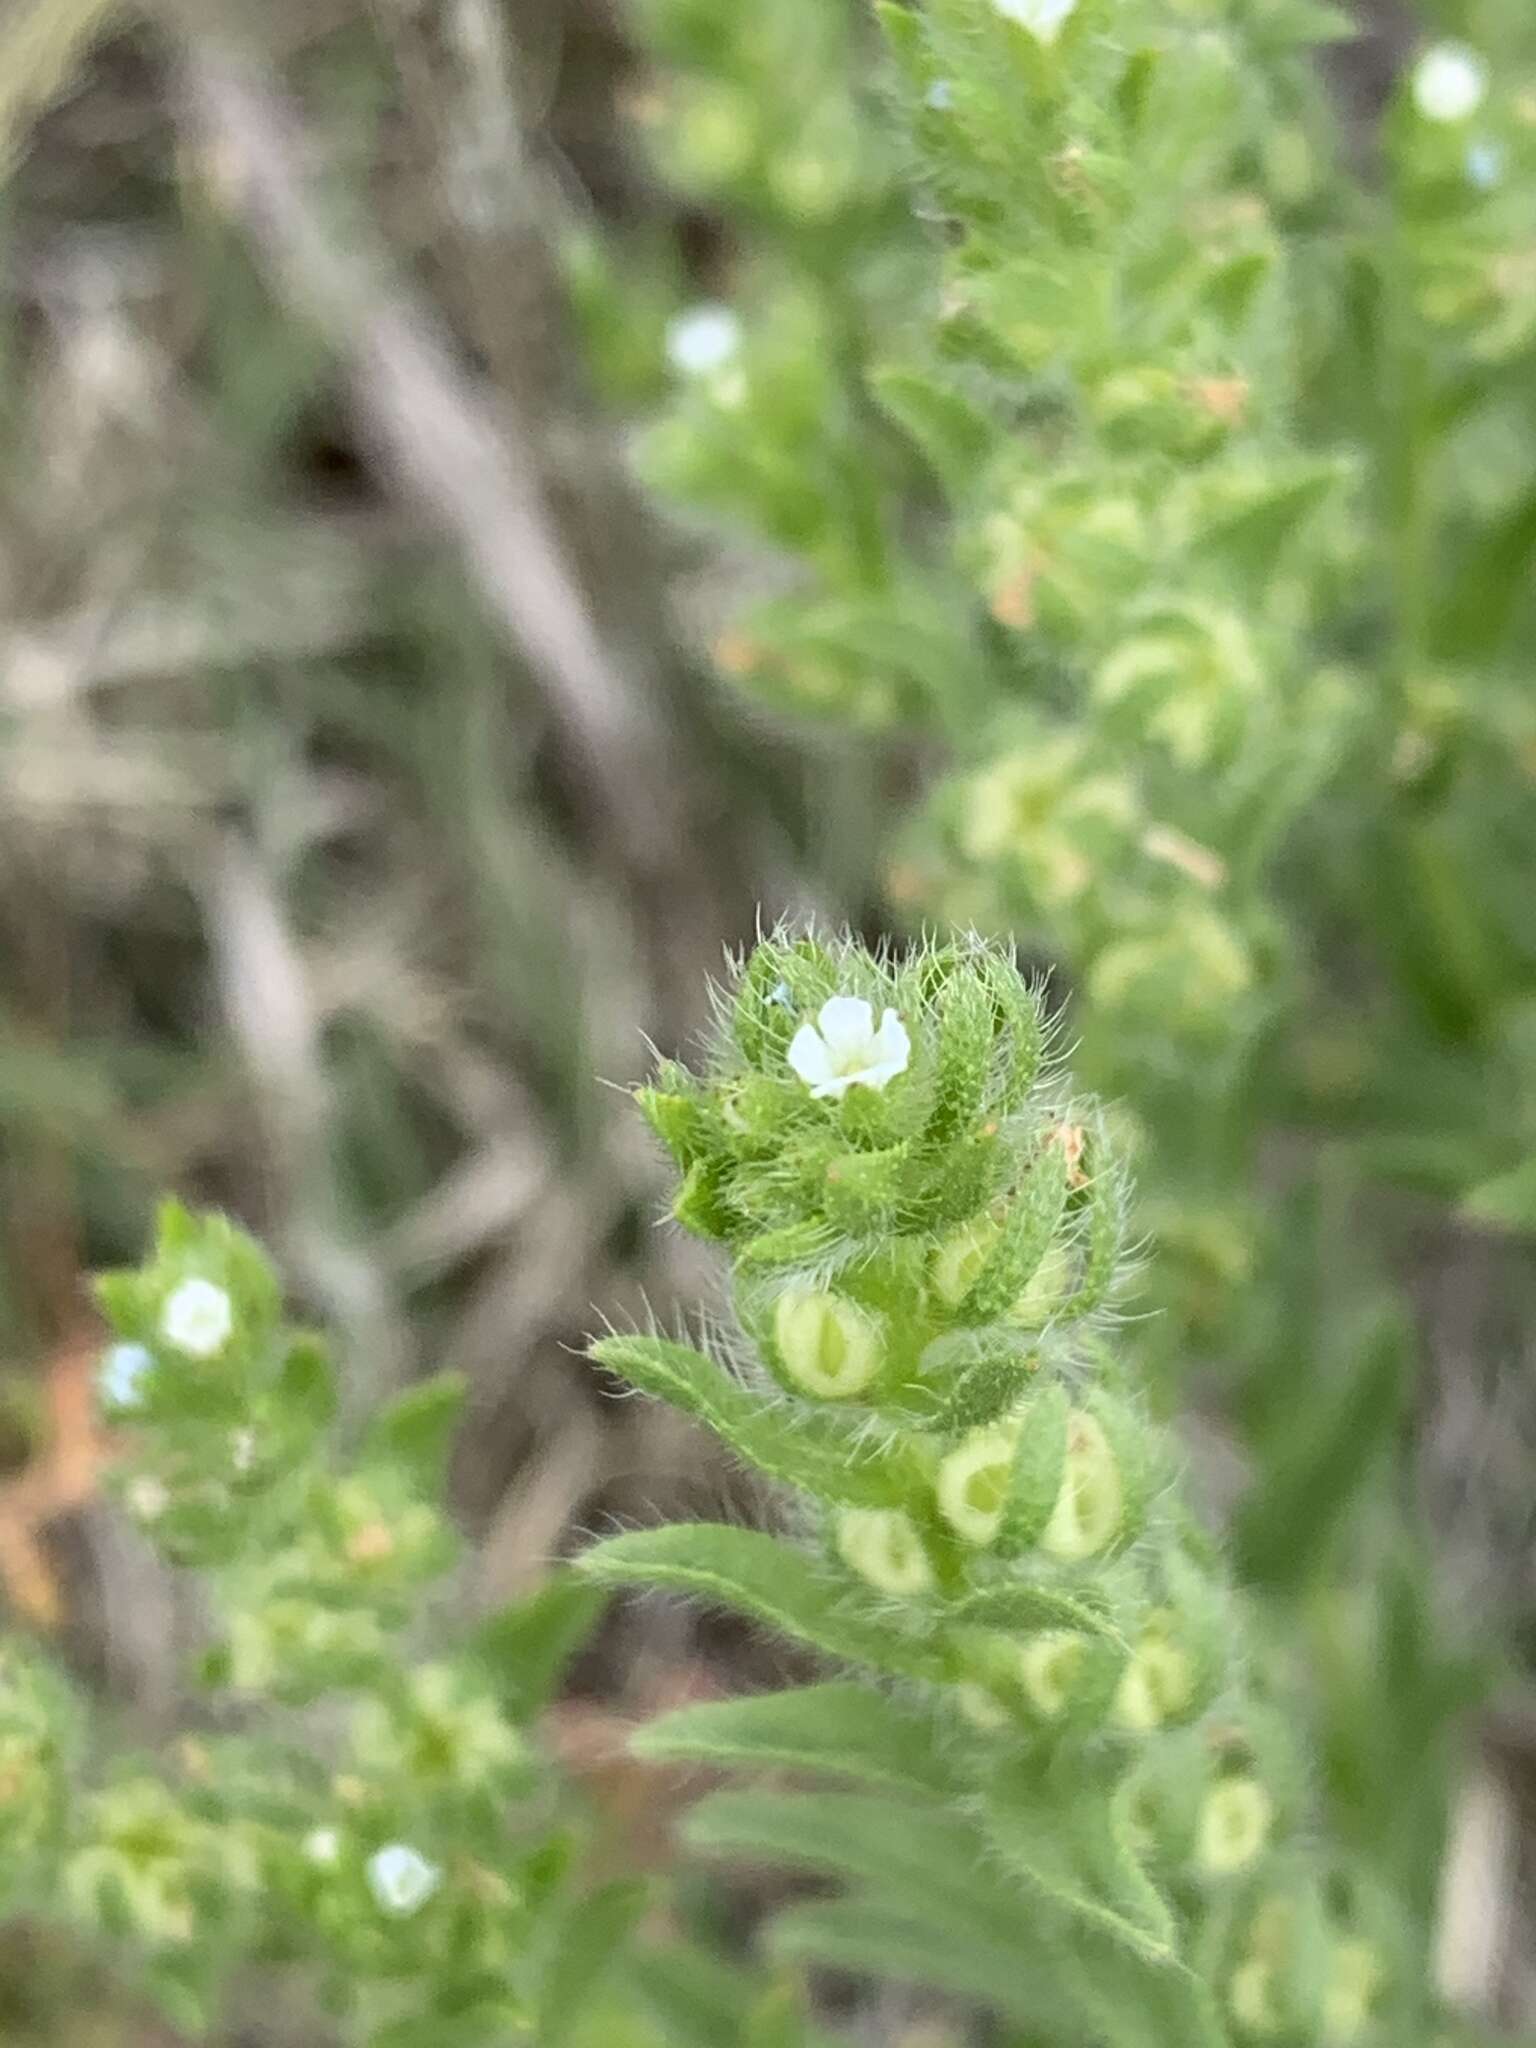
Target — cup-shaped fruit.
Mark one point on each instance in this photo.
(827, 1346)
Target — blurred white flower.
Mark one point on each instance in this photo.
(843, 1050)
(1450, 82)
(401, 1878)
(197, 1319)
(322, 1846)
(1043, 18)
(147, 1499)
(1485, 165)
(940, 96)
(702, 340)
(120, 1379)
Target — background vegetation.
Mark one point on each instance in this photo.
(378, 773)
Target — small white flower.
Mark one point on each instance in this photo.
(322, 1846)
(197, 1319)
(147, 1499)
(843, 1050)
(1043, 18)
(940, 96)
(1450, 82)
(702, 340)
(120, 1379)
(401, 1878)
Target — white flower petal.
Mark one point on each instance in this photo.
(809, 1057)
(401, 1878)
(835, 1088)
(847, 1023)
(197, 1319)
(891, 1045)
(703, 339)
(1043, 18)
(1450, 82)
(122, 1373)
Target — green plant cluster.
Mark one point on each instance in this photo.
(358, 1803)
(1072, 1792)
(1171, 474)
(1190, 542)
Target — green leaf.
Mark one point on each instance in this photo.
(843, 1728)
(1034, 1212)
(881, 1941)
(774, 1582)
(816, 1452)
(1507, 1202)
(1250, 536)
(1313, 1475)
(1023, 1606)
(702, 2002)
(1487, 583)
(1054, 1824)
(528, 1646)
(777, 2019)
(414, 1432)
(966, 1027)
(926, 1860)
(306, 1385)
(955, 436)
(590, 1932)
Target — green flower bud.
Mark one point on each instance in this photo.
(1234, 1828)
(1090, 1507)
(828, 1347)
(883, 1546)
(863, 1191)
(681, 1121)
(1027, 1227)
(966, 1037)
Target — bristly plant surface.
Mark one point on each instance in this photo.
(1063, 1787)
(1144, 452)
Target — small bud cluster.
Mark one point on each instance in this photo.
(924, 1228)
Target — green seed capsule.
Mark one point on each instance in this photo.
(1355, 1977)
(882, 1545)
(1158, 1683)
(975, 1481)
(1051, 1668)
(1091, 1504)
(828, 1347)
(1234, 1828)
